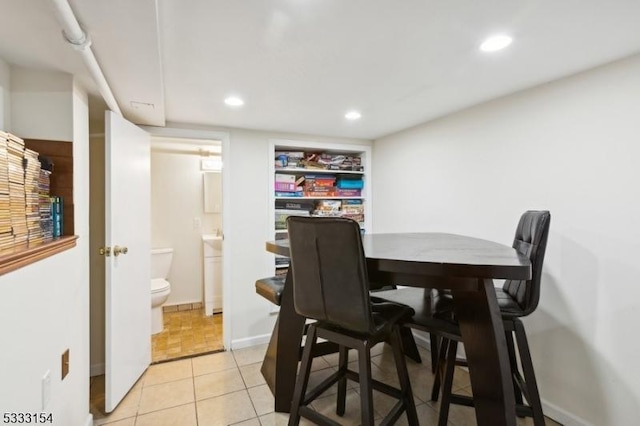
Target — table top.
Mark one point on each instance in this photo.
(437, 254)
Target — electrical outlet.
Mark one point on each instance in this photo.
(197, 224)
(46, 389)
(65, 364)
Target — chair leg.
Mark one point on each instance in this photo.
(514, 367)
(303, 377)
(342, 383)
(434, 352)
(448, 383)
(403, 376)
(533, 397)
(440, 366)
(366, 387)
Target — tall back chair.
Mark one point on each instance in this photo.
(530, 240)
(516, 299)
(330, 286)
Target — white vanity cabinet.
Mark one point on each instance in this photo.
(212, 246)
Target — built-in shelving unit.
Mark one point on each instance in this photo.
(26, 255)
(306, 197)
(23, 253)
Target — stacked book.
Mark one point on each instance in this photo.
(15, 158)
(315, 160)
(329, 208)
(349, 186)
(288, 185)
(282, 272)
(44, 204)
(32, 196)
(353, 209)
(282, 264)
(301, 205)
(319, 186)
(289, 159)
(283, 214)
(57, 216)
(341, 162)
(6, 235)
(286, 208)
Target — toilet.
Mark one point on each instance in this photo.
(160, 287)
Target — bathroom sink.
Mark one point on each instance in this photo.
(213, 244)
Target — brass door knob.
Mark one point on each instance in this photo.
(117, 250)
(105, 251)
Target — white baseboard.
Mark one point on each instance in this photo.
(89, 421)
(96, 370)
(552, 411)
(562, 416)
(250, 341)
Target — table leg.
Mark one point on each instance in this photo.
(280, 364)
(487, 354)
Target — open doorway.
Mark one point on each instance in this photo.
(186, 241)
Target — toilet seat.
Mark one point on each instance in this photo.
(158, 285)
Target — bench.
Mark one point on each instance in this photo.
(271, 288)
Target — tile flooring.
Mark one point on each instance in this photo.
(187, 333)
(227, 388)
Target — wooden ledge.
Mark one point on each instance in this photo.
(24, 255)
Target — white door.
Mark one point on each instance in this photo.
(128, 275)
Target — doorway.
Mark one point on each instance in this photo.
(98, 170)
(186, 220)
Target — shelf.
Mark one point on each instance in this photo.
(319, 198)
(309, 203)
(24, 255)
(314, 171)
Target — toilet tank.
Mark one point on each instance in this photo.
(161, 262)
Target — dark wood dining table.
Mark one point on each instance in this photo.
(466, 266)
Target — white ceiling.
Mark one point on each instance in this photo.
(301, 64)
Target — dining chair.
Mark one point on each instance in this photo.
(516, 299)
(330, 285)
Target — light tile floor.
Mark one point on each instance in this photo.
(187, 333)
(227, 388)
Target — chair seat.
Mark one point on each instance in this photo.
(385, 315)
(271, 288)
(509, 307)
(442, 305)
(425, 303)
(434, 308)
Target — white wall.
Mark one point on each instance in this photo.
(5, 95)
(41, 97)
(44, 306)
(571, 147)
(177, 199)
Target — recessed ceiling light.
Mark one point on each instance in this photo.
(495, 43)
(352, 115)
(234, 101)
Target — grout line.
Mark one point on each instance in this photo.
(188, 356)
(195, 400)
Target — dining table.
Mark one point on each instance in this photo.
(462, 264)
